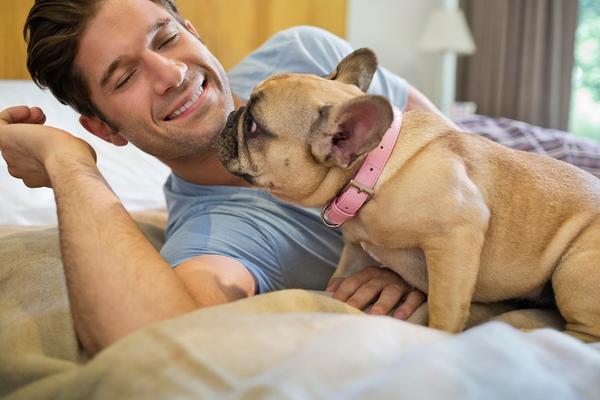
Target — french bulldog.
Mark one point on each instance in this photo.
(458, 216)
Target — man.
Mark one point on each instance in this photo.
(137, 72)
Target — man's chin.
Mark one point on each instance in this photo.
(191, 152)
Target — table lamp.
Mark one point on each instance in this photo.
(446, 32)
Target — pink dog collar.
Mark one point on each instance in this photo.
(360, 189)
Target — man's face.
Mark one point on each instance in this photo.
(154, 80)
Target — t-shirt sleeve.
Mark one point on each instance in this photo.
(309, 50)
(281, 245)
(220, 233)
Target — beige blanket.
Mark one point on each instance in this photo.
(289, 344)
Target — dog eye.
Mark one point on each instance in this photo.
(251, 125)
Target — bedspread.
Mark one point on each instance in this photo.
(576, 150)
(288, 344)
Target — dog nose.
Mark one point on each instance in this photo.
(228, 146)
(230, 120)
(232, 117)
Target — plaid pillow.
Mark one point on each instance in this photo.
(581, 152)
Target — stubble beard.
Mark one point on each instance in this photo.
(204, 143)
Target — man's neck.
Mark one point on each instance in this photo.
(208, 170)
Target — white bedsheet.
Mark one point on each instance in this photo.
(339, 356)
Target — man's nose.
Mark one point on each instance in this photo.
(165, 72)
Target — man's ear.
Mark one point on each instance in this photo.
(350, 129)
(99, 128)
(357, 68)
(190, 27)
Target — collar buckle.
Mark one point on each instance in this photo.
(362, 188)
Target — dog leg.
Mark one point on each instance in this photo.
(576, 284)
(453, 266)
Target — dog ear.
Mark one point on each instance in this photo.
(351, 129)
(357, 69)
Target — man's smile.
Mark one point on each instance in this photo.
(189, 102)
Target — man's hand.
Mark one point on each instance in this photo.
(381, 287)
(29, 147)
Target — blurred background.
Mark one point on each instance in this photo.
(522, 70)
(532, 60)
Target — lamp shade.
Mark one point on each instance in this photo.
(447, 30)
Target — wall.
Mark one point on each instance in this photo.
(231, 28)
(236, 27)
(12, 45)
(392, 29)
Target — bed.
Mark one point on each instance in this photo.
(287, 344)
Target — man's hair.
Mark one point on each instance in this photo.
(53, 30)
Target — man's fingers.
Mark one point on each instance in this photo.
(350, 285)
(365, 294)
(413, 300)
(13, 115)
(381, 285)
(334, 284)
(22, 115)
(37, 116)
(389, 298)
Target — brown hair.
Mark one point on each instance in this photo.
(52, 31)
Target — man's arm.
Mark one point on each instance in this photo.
(418, 101)
(215, 279)
(117, 281)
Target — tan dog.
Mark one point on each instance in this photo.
(456, 215)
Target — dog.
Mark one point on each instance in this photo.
(458, 216)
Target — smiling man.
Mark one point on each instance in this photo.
(137, 72)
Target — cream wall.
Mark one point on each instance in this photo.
(392, 29)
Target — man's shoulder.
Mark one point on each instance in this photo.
(300, 49)
(313, 43)
(305, 34)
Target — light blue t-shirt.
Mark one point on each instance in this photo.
(282, 246)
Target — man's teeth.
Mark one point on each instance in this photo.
(187, 104)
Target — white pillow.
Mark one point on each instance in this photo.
(136, 177)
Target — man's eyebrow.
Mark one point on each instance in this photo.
(117, 61)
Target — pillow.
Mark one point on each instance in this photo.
(135, 177)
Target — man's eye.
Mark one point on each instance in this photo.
(124, 81)
(169, 40)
